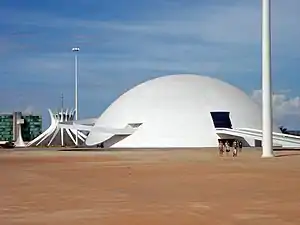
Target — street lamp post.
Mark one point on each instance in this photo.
(76, 50)
(267, 143)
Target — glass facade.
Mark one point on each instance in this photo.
(31, 128)
(6, 127)
(221, 119)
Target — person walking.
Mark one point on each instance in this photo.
(240, 146)
(234, 150)
(227, 147)
(221, 148)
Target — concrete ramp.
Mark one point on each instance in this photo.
(279, 139)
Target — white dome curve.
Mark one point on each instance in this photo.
(175, 112)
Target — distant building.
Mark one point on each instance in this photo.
(293, 132)
(6, 127)
(57, 134)
(31, 126)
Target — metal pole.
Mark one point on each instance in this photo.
(76, 95)
(267, 144)
(62, 100)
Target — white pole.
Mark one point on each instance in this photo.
(267, 144)
(76, 96)
(76, 90)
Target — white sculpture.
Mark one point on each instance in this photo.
(59, 133)
(19, 142)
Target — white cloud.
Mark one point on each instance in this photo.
(29, 110)
(283, 105)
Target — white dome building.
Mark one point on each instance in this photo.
(178, 111)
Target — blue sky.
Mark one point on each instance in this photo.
(126, 42)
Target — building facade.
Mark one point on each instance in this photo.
(31, 126)
(6, 127)
(57, 134)
(179, 111)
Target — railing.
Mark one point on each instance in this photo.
(274, 133)
(258, 134)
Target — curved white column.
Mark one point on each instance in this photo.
(56, 125)
(19, 142)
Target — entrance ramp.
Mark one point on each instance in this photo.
(284, 140)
